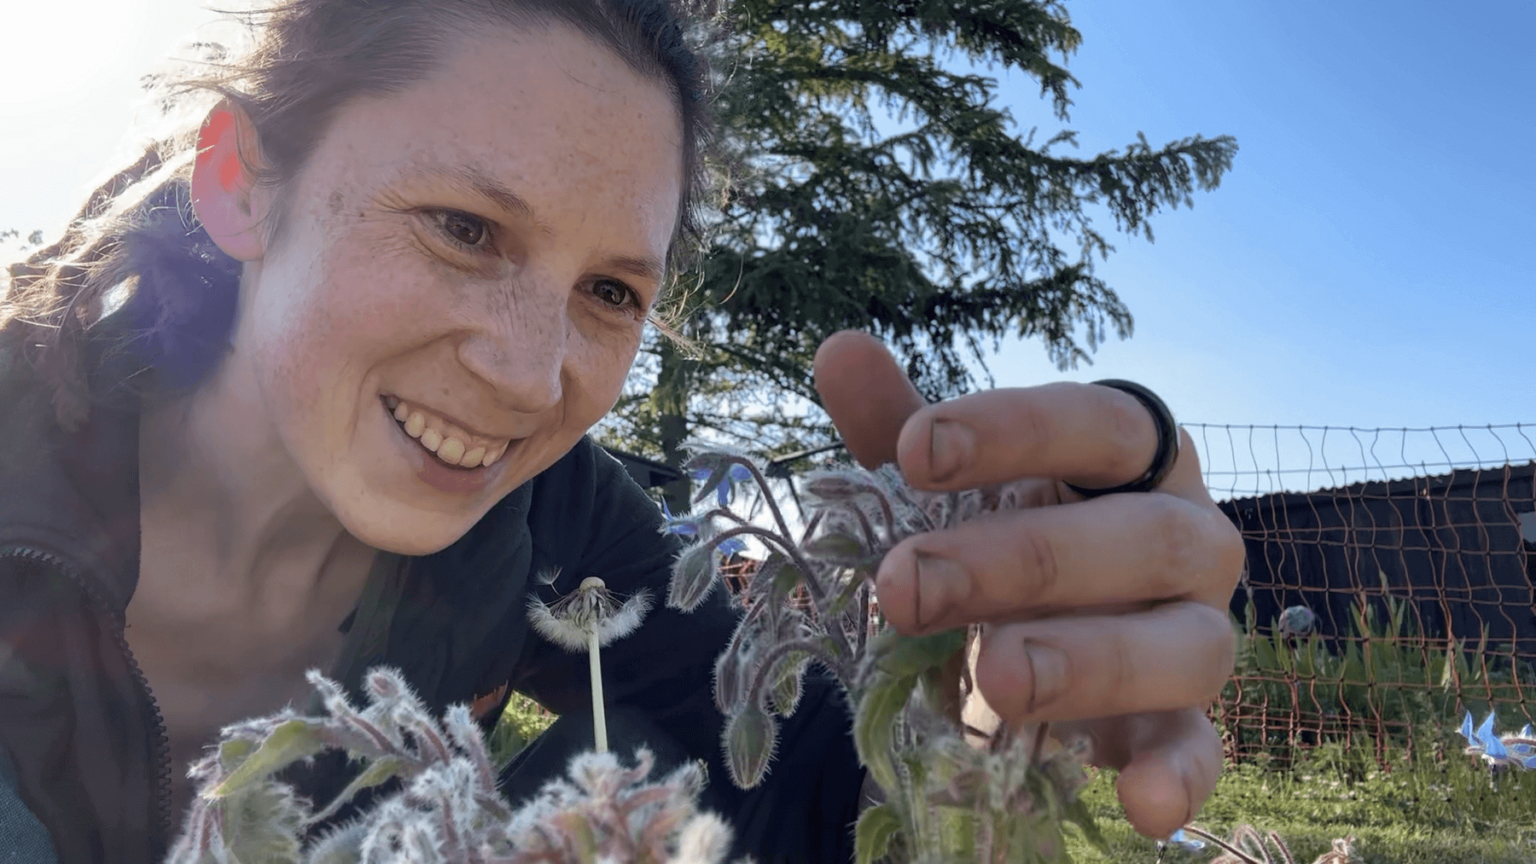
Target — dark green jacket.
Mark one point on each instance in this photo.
(81, 742)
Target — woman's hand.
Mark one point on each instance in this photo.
(1107, 615)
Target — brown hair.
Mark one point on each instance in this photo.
(135, 247)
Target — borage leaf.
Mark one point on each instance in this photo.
(872, 835)
(288, 743)
(913, 655)
(874, 726)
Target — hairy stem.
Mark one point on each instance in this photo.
(869, 530)
(760, 677)
(762, 483)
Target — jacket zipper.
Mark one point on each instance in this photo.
(162, 740)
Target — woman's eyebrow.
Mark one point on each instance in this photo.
(472, 180)
(646, 268)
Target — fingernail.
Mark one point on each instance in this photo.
(941, 584)
(950, 448)
(1047, 672)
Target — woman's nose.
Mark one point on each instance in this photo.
(519, 347)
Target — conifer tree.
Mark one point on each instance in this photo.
(876, 184)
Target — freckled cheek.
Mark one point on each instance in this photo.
(596, 380)
(340, 326)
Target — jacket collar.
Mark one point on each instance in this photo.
(74, 495)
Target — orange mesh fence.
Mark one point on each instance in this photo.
(1389, 583)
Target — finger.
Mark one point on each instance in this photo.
(1085, 434)
(1068, 668)
(865, 393)
(1169, 762)
(1115, 549)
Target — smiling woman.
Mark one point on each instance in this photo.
(308, 386)
(395, 274)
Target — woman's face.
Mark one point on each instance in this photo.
(461, 279)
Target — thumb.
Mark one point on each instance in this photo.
(866, 394)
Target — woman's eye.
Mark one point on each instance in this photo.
(462, 227)
(613, 293)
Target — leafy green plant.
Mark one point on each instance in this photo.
(944, 799)
(1290, 690)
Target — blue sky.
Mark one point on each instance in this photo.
(1366, 262)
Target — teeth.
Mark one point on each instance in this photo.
(451, 451)
(415, 424)
(432, 439)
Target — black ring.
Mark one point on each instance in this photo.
(1167, 442)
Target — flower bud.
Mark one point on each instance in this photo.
(749, 741)
(692, 577)
(838, 548)
(730, 681)
(785, 692)
(834, 485)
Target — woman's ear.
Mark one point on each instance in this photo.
(222, 189)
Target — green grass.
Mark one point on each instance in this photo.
(1422, 814)
(1441, 809)
(520, 723)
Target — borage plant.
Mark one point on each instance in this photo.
(1005, 799)
(447, 809)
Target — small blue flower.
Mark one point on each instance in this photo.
(689, 526)
(1183, 841)
(1466, 730)
(1498, 751)
(737, 473)
(683, 526)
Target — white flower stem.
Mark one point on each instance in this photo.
(599, 719)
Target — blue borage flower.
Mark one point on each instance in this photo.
(1182, 841)
(726, 490)
(1518, 749)
(688, 525)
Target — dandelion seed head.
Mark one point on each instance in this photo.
(570, 621)
(626, 619)
(546, 623)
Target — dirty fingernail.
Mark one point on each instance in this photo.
(1047, 673)
(941, 584)
(951, 446)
